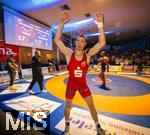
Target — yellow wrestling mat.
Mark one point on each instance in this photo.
(133, 105)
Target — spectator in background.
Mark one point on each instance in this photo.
(139, 68)
(56, 63)
(113, 61)
(50, 62)
(51, 65)
(12, 68)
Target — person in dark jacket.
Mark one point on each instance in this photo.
(37, 75)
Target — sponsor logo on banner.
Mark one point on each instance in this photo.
(6, 50)
(128, 68)
(19, 88)
(32, 103)
(81, 123)
(115, 68)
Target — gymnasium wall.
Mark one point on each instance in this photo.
(24, 54)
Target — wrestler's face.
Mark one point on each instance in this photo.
(80, 43)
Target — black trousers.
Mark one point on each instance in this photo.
(12, 75)
(37, 78)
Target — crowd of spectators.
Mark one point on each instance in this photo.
(131, 57)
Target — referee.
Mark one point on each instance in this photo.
(37, 75)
